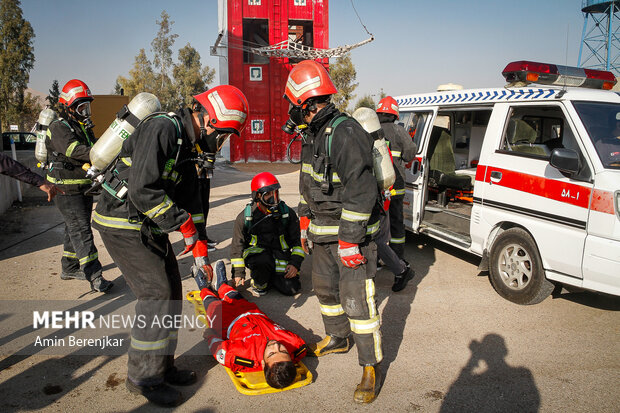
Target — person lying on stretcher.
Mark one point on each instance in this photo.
(242, 337)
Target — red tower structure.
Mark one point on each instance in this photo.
(245, 27)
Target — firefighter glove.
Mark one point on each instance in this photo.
(201, 258)
(306, 245)
(350, 254)
(190, 235)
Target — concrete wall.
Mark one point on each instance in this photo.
(8, 186)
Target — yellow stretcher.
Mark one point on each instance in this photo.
(252, 383)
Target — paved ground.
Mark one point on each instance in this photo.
(450, 342)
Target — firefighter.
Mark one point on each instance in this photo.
(68, 142)
(339, 215)
(403, 150)
(16, 170)
(266, 240)
(157, 165)
(233, 340)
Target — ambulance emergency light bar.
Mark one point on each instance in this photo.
(549, 74)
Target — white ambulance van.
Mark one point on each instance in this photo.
(527, 177)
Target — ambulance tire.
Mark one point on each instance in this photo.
(516, 270)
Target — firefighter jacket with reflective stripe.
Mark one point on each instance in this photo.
(260, 232)
(157, 163)
(68, 145)
(245, 331)
(348, 209)
(16, 170)
(403, 150)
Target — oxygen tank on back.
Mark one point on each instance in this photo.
(46, 117)
(127, 119)
(382, 161)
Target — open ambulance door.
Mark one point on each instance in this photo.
(418, 124)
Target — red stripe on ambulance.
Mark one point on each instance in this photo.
(602, 201)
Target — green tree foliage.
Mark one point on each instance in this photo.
(174, 84)
(16, 61)
(54, 94)
(366, 102)
(162, 61)
(141, 77)
(343, 75)
(190, 77)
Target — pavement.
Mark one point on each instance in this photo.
(450, 343)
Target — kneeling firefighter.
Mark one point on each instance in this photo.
(156, 166)
(339, 214)
(266, 240)
(69, 140)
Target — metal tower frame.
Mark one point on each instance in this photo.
(602, 38)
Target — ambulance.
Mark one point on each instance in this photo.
(527, 177)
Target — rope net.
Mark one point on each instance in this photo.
(293, 49)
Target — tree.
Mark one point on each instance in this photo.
(162, 60)
(16, 61)
(366, 102)
(343, 75)
(189, 75)
(54, 94)
(141, 77)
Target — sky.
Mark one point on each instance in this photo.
(418, 44)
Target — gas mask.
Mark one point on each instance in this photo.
(211, 142)
(297, 115)
(82, 113)
(270, 200)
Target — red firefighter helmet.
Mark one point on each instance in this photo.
(73, 92)
(264, 182)
(307, 80)
(388, 105)
(227, 108)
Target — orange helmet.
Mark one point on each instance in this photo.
(307, 80)
(227, 108)
(73, 92)
(388, 105)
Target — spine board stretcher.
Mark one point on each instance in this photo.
(251, 383)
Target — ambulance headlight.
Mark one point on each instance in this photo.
(526, 72)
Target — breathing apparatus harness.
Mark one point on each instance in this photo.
(64, 160)
(116, 186)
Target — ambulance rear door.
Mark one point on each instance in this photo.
(418, 125)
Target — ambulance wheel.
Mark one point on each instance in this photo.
(516, 270)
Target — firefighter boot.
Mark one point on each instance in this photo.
(368, 389)
(160, 394)
(178, 377)
(330, 344)
(101, 285)
(75, 275)
(401, 280)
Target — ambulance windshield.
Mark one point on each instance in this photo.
(602, 121)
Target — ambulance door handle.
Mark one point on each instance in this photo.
(496, 176)
(414, 167)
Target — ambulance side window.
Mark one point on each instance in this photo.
(535, 131)
(414, 123)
